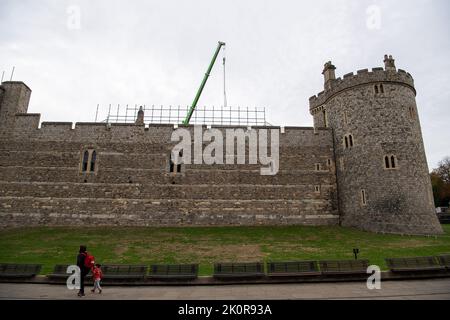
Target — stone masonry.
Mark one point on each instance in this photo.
(61, 173)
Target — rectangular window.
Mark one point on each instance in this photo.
(318, 167)
(411, 113)
(363, 197)
(325, 119)
(317, 189)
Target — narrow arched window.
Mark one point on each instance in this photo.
(363, 197)
(171, 164)
(345, 117)
(351, 140)
(392, 162)
(411, 112)
(93, 159)
(85, 161)
(346, 142)
(386, 162)
(179, 165)
(325, 120)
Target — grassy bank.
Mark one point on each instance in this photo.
(50, 245)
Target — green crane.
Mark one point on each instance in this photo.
(199, 92)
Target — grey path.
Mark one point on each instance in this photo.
(422, 289)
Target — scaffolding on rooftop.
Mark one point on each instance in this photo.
(232, 116)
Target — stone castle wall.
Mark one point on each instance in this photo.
(322, 180)
(41, 182)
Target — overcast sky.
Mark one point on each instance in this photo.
(156, 52)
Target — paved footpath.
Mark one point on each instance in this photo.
(418, 289)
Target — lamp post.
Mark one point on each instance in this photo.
(355, 252)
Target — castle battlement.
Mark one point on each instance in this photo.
(362, 77)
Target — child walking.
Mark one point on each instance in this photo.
(97, 275)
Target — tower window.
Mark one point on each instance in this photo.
(390, 162)
(376, 89)
(317, 189)
(363, 197)
(381, 88)
(412, 112)
(348, 141)
(345, 117)
(325, 120)
(317, 166)
(386, 162)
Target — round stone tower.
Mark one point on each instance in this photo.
(381, 167)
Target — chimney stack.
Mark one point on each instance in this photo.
(389, 63)
(329, 74)
(140, 117)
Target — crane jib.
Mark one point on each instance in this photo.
(202, 85)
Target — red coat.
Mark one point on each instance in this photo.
(97, 273)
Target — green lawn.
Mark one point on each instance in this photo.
(55, 245)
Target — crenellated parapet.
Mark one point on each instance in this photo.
(362, 77)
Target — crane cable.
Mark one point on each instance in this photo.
(224, 82)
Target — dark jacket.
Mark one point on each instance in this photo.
(80, 263)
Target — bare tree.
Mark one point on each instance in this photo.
(443, 170)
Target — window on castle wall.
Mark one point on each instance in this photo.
(318, 167)
(411, 113)
(381, 88)
(345, 117)
(317, 189)
(171, 164)
(387, 165)
(325, 119)
(172, 167)
(84, 165)
(376, 89)
(93, 158)
(348, 141)
(88, 164)
(179, 165)
(390, 162)
(363, 197)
